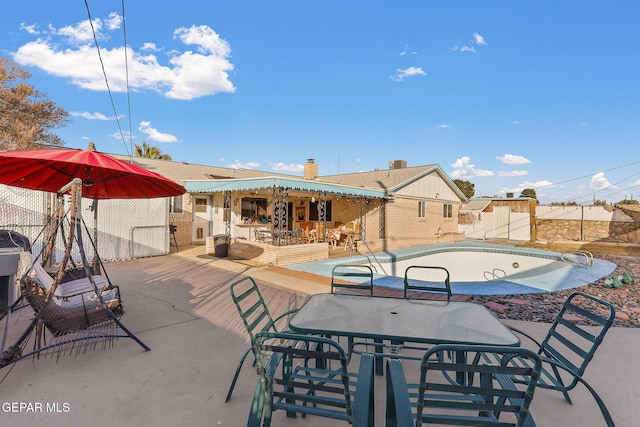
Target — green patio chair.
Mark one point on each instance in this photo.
(484, 398)
(255, 316)
(343, 276)
(415, 287)
(325, 388)
(569, 346)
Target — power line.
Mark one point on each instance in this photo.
(104, 73)
(126, 69)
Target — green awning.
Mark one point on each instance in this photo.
(221, 185)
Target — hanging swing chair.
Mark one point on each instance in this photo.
(76, 309)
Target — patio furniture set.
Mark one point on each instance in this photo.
(333, 236)
(465, 366)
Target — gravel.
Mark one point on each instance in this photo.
(544, 307)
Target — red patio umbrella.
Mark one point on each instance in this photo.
(103, 177)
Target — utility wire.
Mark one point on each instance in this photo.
(106, 80)
(126, 68)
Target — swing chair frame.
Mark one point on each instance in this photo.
(77, 321)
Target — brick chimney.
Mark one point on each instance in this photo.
(310, 169)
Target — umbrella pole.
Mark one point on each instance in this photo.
(95, 263)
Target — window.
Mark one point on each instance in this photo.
(175, 204)
(313, 211)
(447, 210)
(253, 209)
(200, 204)
(422, 209)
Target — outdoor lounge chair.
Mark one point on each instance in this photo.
(255, 316)
(318, 389)
(569, 346)
(483, 398)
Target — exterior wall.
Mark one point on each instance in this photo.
(585, 223)
(430, 186)
(265, 253)
(405, 229)
(183, 222)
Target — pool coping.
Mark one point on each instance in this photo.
(544, 282)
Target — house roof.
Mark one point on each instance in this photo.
(372, 184)
(210, 186)
(391, 180)
(477, 205)
(480, 204)
(183, 171)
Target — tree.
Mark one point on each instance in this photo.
(27, 116)
(529, 192)
(628, 202)
(467, 188)
(149, 152)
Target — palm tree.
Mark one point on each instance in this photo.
(149, 152)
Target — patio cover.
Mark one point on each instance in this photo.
(220, 185)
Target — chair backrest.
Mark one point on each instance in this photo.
(322, 390)
(572, 344)
(483, 393)
(344, 275)
(251, 306)
(422, 286)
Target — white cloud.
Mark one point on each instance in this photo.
(585, 124)
(529, 184)
(124, 135)
(238, 165)
(479, 39)
(444, 126)
(186, 75)
(462, 168)
(31, 29)
(407, 51)
(291, 167)
(149, 46)
(506, 174)
(512, 159)
(516, 122)
(600, 182)
(91, 116)
(114, 21)
(463, 48)
(407, 72)
(82, 32)
(154, 134)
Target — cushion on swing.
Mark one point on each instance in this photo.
(70, 293)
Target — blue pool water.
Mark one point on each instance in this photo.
(476, 268)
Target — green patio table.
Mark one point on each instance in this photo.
(401, 320)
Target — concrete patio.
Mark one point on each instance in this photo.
(180, 306)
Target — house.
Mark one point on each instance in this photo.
(267, 216)
(385, 209)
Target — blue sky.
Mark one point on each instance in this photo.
(507, 95)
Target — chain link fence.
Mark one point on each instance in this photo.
(120, 229)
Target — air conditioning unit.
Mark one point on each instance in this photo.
(397, 164)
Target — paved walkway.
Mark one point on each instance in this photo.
(179, 305)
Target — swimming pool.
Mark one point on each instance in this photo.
(476, 268)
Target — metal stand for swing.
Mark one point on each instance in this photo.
(78, 322)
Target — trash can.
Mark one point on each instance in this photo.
(221, 245)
